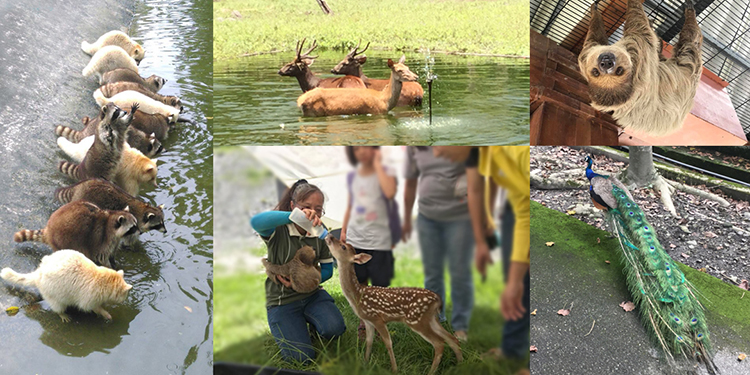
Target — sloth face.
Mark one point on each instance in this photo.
(609, 71)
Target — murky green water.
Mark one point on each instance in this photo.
(164, 327)
(476, 101)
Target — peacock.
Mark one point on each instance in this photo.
(669, 309)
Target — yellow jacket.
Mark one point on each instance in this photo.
(508, 166)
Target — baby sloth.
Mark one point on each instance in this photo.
(644, 91)
(301, 270)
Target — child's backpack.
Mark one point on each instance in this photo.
(391, 207)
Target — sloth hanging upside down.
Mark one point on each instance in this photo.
(644, 91)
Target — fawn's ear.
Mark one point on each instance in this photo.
(390, 63)
(361, 258)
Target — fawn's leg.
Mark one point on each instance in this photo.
(383, 330)
(370, 331)
(451, 340)
(425, 329)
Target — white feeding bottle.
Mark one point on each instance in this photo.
(298, 217)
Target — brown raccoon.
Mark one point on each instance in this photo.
(145, 143)
(302, 271)
(104, 156)
(84, 227)
(156, 124)
(109, 196)
(153, 83)
(111, 89)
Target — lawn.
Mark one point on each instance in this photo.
(479, 27)
(241, 332)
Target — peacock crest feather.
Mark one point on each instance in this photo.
(670, 311)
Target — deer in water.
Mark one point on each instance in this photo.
(329, 102)
(300, 69)
(376, 306)
(411, 93)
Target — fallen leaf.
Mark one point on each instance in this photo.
(741, 357)
(188, 309)
(532, 349)
(606, 261)
(533, 312)
(672, 245)
(598, 240)
(563, 312)
(704, 270)
(628, 306)
(570, 212)
(13, 310)
(711, 235)
(549, 244)
(744, 285)
(684, 255)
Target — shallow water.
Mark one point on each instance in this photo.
(164, 326)
(476, 101)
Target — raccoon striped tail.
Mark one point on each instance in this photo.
(87, 47)
(70, 169)
(68, 133)
(64, 194)
(25, 279)
(29, 235)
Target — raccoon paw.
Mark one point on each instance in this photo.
(65, 317)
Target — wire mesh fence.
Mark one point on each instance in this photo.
(725, 25)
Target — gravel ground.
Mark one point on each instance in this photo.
(706, 236)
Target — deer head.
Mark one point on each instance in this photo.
(301, 62)
(401, 71)
(345, 253)
(352, 64)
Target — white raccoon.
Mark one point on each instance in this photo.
(115, 38)
(67, 278)
(133, 170)
(146, 105)
(109, 58)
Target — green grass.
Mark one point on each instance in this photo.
(241, 331)
(488, 27)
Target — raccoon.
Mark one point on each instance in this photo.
(145, 143)
(67, 278)
(84, 227)
(109, 58)
(145, 104)
(153, 83)
(133, 169)
(109, 196)
(111, 89)
(115, 38)
(103, 158)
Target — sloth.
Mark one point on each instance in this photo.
(644, 91)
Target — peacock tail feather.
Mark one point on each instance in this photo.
(670, 311)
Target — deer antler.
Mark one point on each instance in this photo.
(307, 54)
(354, 51)
(299, 47)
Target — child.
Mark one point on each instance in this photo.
(366, 223)
(289, 311)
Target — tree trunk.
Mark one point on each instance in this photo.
(641, 170)
(324, 6)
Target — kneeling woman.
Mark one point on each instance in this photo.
(289, 311)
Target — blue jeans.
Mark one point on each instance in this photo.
(288, 324)
(451, 241)
(516, 340)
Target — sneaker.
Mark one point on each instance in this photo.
(461, 336)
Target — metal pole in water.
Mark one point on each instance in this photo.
(429, 90)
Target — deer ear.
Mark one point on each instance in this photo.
(390, 63)
(402, 59)
(362, 59)
(308, 61)
(361, 258)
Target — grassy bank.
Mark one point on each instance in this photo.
(254, 26)
(241, 331)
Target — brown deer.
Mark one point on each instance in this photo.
(416, 307)
(300, 69)
(411, 93)
(329, 102)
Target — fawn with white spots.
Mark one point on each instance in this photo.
(416, 307)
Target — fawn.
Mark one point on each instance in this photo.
(376, 306)
(328, 102)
